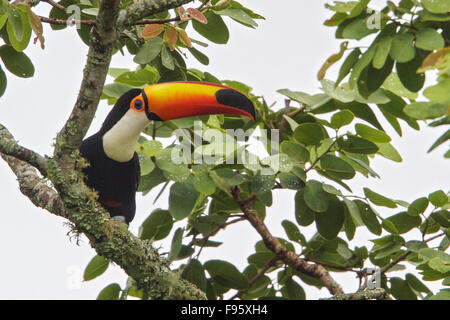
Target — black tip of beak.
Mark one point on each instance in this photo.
(233, 98)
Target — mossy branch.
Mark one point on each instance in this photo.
(70, 197)
(145, 8)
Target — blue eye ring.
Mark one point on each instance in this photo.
(138, 104)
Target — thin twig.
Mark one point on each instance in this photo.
(66, 22)
(283, 122)
(56, 5)
(213, 232)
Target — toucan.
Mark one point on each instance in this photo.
(113, 165)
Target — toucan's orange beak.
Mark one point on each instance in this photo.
(173, 100)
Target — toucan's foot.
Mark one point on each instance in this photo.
(119, 218)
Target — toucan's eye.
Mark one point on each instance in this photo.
(138, 104)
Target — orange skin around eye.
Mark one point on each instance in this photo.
(132, 106)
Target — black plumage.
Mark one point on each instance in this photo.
(116, 182)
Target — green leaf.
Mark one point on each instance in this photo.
(404, 222)
(178, 172)
(383, 46)
(115, 90)
(402, 49)
(215, 30)
(16, 62)
(262, 183)
(151, 180)
(146, 164)
(141, 77)
(226, 274)
(300, 97)
(315, 197)
(309, 133)
(194, 273)
(360, 65)
(182, 199)
(427, 254)
(429, 39)
(342, 93)
(330, 222)
(292, 290)
(18, 27)
(290, 181)
(292, 231)
(295, 151)
(157, 226)
(110, 292)
(372, 78)
(378, 199)
(349, 226)
(425, 110)
(418, 206)
(348, 64)
(443, 138)
(395, 107)
(3, 81)
(336, 167)
(364, 112)
(151, 148)
(357, 145)
(176, 244)
(357, 29)
(389, 152)
(443, 294)
(394, 85)
(331, 190)
(341, 118)
(204, 183)
(436, 6)
(439, 265)
(167, 59)
(238, 15)
(407, 72)
(149, 51)
(442, 217)
(372, 134)
(438, 198)
(4, 9)
(354, 212)
(439, 93)
(303, 214)
(401, 290)
(201, 57)
(96, 267)
(369, 217)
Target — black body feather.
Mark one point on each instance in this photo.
(116, 182)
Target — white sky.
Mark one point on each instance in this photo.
(37, 259)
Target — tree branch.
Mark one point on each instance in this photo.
(10, 147)
(373, 294)
(290, 258)
(141, 9)
(111, 239)
(35, 187)
(64, 22)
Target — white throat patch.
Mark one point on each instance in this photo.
(120, 142)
